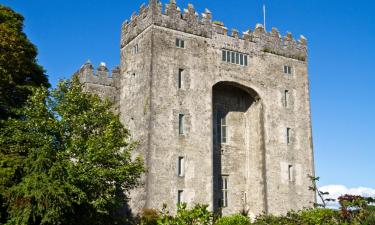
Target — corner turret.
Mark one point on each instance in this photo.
(100, 81)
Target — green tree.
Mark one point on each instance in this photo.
(19, 69)
(66, 159)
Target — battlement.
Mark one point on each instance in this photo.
(189, 21)
(100, 76)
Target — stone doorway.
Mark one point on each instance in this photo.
(236, 142)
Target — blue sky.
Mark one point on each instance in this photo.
(341, 39)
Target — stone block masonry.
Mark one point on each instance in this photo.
(232, 111)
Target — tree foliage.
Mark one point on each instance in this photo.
(66, 159)
(19, 69)
(354, 210)
(198, 215)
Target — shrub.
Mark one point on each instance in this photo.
(319, 216)
(233, 220)
(149, 216)
(198, 215)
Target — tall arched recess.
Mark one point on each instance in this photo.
(238, 149)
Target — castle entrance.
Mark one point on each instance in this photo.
(236, 137)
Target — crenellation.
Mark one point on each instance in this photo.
(220, 29)
(288, 37)
(100, 76)
(247, 35)
(275, 33)
(207, 17)
(302, 40)
(189, 21)
(172, 10)
(235, 33)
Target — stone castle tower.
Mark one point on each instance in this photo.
(222, 119)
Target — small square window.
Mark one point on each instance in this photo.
(180, 43)
(287, 70)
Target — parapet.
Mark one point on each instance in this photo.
(101, 76)
(189, 21)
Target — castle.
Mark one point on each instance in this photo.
(221, 119)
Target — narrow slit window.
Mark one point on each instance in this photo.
(223, 127)
(241, 59)
(181, 165)
(180, 196)
(237, 58)
(181, 118)
(228, 56)
(224, 56)
(233, 57)
(290, 173)
(288, 135)
(224, 191)
(135, 49)
(245, 60)
(286, 98)
(180, 78)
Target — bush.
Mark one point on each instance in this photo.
(319, 216)
(149, 216)
(233, 220)
(198, 215)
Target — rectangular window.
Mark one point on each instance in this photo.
(288, 135)
(179, 196)
(224, 56)
(180, 78)
(180, 43)
(234, 57)
(181, 123)
(286, 98)
(290, 173)
(287, 70)
(224, 191)
(181, 165)
(223, 126)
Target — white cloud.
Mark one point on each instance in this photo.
(336, 191)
